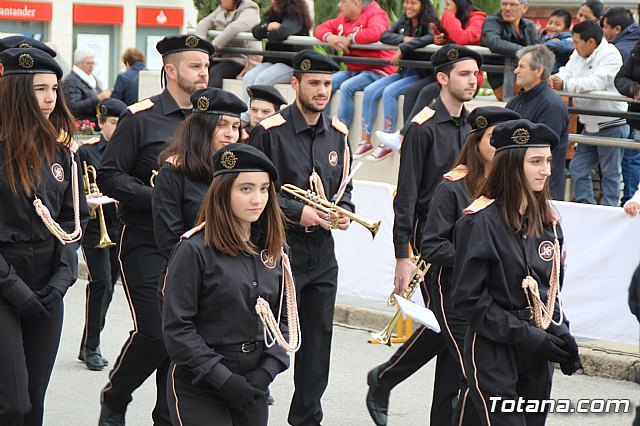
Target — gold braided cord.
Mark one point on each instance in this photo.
(53, 226)
(271, 326)
(315, 182)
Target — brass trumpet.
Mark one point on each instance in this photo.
(331, 209)
(384, 335)
(92, 188)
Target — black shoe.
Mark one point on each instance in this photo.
(109, 417)
(377, 398)
(93, 361)
(82, 355)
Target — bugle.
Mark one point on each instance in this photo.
(332, 210)
(92, 188)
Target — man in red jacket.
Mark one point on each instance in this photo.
(359, 22)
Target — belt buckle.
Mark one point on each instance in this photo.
(530, 311)
(310, 229)
(245, 347)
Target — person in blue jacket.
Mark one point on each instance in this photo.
(126, 85)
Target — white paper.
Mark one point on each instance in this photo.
(100, 201)
(419, 313)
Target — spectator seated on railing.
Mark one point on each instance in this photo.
(558, 38)
(592, 67)
(231, 17)
(362, 22)
(590, 10)
(505, 33)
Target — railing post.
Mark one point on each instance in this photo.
(508, 81)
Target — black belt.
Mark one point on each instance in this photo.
(241, 347)
(523, 314)
(307, 229)
(37, 245)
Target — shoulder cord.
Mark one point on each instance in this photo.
(543, 315)
(272, 332)
(315, 182)
(53, 226)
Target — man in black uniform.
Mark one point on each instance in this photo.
(318, 160)
(263, 101)
(431, 143)
(102, 260)
(125, 173)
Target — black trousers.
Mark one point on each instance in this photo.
(501, 370)
(201, 404)
(421, 347)
(144, 352)
(315, 271)
(415, 99)
(29, 347)
(454, 329)
(104, 270)
(218, 71)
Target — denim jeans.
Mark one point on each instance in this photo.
(389, 88)
(587, 157)
(349, 82)
(630, 169)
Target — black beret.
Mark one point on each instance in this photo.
(183, 42)
(239, 157)
(266, 93)
(23, 42)
(311, 61)
(28, 61)
(483, 117)
(523, 133)
(111, 107)
(452, 53)
(217, 101)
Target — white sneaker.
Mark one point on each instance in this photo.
(390, 140)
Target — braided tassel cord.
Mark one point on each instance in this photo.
(315, 182)
(272, 332)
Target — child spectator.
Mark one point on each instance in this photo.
(558, 38)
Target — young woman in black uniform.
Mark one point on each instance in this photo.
(451, 197)
(507, 275)
(227, 282)
(43, 212)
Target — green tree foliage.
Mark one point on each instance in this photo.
(488, 6)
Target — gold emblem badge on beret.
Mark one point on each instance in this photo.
(203, 103)
(25, 46)
(191, 41)
(250, 93)
(228, 160)
(453, 54)
(305, 65)
(104, 110)
(520, 136)
(25, 60)
(481, 122)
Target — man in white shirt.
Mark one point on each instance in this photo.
(592, 67)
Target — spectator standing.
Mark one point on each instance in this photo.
(539, 104)
(593, 66)
(231, 17)
(505, 33)
(558, 38)
(362, 22)
(126, 85)
(591, 10)
(81, 88)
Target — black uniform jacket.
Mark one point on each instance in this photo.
(143, 131)
(210, 300)
(428, 151)
(92, 153)
(296, 152)
(176, 202)
(491, 262)
(22, 225)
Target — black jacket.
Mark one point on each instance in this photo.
(81, 98)
(628, 81)
(421, 37)
(287, 27)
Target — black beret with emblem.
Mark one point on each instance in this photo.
(217, 101)
(523, 133)
(22, 42)
(483, 117)
(183, 42)
(28, 61)
(311, 61)
(239, 157)
(266, 93)
(111, 107)
(451, 53)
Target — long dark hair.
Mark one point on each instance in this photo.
(295, 10)
(428, 14)
(29, 138)
(223, 230)
(470, 156)
(192, 146)
(464, 10)
(507, 184)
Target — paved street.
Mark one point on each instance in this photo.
(73, 396)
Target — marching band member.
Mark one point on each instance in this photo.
(223, 294)
(43, 213)
(102, 262)
(264, 101)
(507, 275)
(450, 198)
(125, 174)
